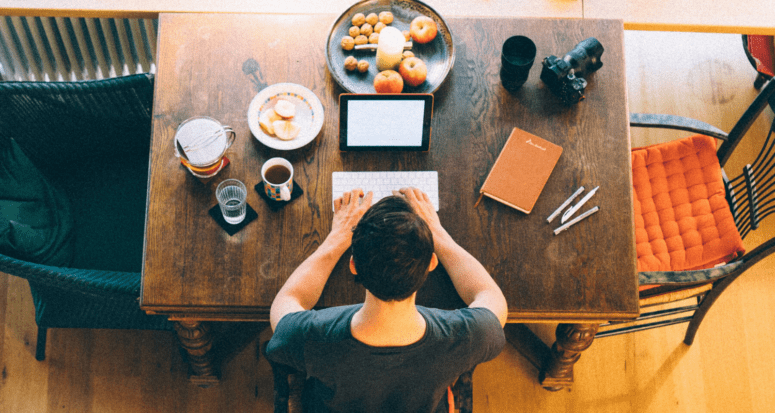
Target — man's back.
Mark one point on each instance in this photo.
(350, 376)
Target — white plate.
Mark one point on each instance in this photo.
(309, 114)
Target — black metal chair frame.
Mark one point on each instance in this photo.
(751, 198)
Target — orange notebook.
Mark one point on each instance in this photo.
(521, 171)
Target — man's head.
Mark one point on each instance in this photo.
(392, 250)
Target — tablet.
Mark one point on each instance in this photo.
(385, 122)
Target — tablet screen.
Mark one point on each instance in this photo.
(385, 122)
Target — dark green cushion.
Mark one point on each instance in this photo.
(35, 220)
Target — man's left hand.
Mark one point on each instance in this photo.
(348, 210)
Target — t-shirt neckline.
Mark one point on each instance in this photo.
(391, 349)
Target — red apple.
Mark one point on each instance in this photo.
(413, 70)
(388, 81)
(423, 29)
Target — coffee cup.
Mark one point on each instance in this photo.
(277, 174)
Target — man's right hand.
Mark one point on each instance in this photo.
(422, 206)
(471, 280)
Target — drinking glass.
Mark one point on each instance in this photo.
(232, 196)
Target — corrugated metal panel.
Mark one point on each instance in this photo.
(69, 49)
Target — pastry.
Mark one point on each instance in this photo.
(285, 109)
(363, 66)
(378, 27)
(361, 39)
(266, 119)
(367, 29)
(351, 63)
(286, 129)
(372, 19)
(374, 38)
(354, 31)
(386, 17)
(358, 19)
(348, 43)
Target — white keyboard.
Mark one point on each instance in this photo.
(383, 183)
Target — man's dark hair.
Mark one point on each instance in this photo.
(392, 249)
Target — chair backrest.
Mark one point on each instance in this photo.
(61, 123)
(751, 193)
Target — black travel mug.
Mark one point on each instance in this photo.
(517, 58)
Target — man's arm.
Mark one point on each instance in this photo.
(471, 280)
(305, 285)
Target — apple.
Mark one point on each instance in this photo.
(388, 81)
(422, 29)
(413, 70)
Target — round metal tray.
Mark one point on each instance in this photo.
(438, 55)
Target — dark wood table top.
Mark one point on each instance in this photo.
(195, 270)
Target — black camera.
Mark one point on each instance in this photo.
(564, 77)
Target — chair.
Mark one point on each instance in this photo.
(290, 396)
(90, 143)
(746, 199)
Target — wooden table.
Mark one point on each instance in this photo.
(196, 273)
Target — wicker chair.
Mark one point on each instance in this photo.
(91, 141)
(750, 198)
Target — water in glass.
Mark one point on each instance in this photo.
(231, 195)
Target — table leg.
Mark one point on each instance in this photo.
(196, 339)
(572, 339)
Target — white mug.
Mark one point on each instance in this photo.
(280, 183)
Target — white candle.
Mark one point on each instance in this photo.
(389, 48)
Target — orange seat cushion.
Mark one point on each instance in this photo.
(682, 219)
(762, 51)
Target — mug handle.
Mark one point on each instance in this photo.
(231, 138)
(285, 194)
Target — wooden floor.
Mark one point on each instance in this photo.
(730, 367)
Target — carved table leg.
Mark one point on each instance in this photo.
(196, 339)
(572, 339)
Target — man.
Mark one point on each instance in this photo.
(386, 354)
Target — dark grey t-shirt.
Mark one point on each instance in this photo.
(350, 376)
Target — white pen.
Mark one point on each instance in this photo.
(564, 204)
(578, 206)
(575, 220)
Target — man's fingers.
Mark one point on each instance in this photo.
(408, 193)
(337, 204)
(367, 199)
